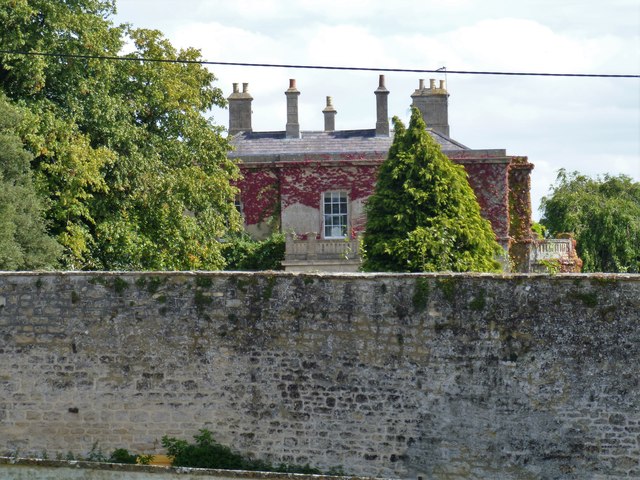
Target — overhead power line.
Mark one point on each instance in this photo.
(320, 67)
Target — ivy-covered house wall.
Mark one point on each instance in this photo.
(286, 175)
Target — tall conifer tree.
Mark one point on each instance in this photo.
(423, 215)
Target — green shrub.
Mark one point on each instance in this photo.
(204, 453)
(241, 252)
(122, 455)
(95, 454)
(207, 453)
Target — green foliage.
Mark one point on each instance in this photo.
(144, 459)
(421, 294)
(119, 455)
(24, 241)
(95, 454)
(135, 175)
(122, 455)
(603, 214)
(241, 252)
(423, 215)
(207, 453)
(539, 230)
(204, 453)
(553, 266)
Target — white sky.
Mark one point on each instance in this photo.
(587, 124)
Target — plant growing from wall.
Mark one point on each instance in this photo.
(122, 455)
(207, 453)
(423, 215)
(95, 454)
(539, 230)
(552, 266)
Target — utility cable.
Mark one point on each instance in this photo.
(318, 67)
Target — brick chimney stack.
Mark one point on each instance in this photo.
(240, 110)
(433, 103)
(329, 116)
(293, 127)
(382, 109)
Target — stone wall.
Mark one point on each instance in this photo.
(439, 376)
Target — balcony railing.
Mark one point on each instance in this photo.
(313, 248)
(559, 248)
(554, 255)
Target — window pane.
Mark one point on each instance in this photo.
(335, 214)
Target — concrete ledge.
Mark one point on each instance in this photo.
(30, 468)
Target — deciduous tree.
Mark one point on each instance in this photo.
(136, 176)
(24, 242)
(423, 215)
(603, 214)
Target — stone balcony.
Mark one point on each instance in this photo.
(311, 253)
(556, 255)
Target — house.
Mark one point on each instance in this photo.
(313, 185)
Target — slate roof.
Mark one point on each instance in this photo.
(249, 144)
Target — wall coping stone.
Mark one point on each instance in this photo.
(279, 273)
(6, 462)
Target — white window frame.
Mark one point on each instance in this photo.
(338, 203)
(237, 202)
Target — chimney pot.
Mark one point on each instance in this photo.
(421, 84)
(240, 110)
(329, 116)
(433, 105)
(292, 84)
